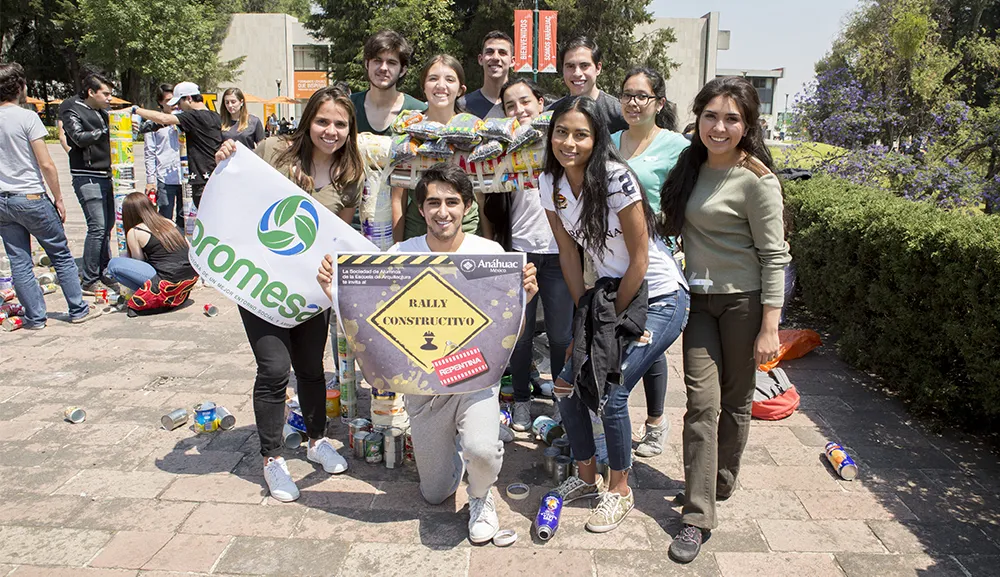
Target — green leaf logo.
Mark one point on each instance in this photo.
(289, 226)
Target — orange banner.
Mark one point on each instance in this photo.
(523, 28)
(307, 82)
(547, 50)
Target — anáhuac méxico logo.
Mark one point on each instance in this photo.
(288, 227)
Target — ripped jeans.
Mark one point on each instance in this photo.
(665, 319)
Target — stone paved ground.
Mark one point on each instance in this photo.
(117, 495)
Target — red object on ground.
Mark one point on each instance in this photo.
(460, 366)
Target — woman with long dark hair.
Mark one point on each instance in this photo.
(443, 81)
(322, 158)
(651, 148)
(237, 122)
(725, 203)
(593, 200)
(156, 269)
(519, 224)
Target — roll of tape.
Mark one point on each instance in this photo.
(518, 491)
(505, 537)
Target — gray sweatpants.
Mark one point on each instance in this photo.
(452, 433)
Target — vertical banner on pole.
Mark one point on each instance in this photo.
(523, 25)
(122, 167)
(547, 34)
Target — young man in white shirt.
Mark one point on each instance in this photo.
(444, 194)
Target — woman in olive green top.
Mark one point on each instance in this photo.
(725, 203)
(443, 79)
(322, 158)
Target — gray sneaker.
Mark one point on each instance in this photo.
(574, 488)
(93, 313)
(90, 289)
(610, 511)
(651, 444)
(521, 419)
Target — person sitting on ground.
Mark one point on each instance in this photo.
(157, 269)
(444, 194)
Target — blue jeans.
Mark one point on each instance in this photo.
(170, 202)
(131, 272)
(666, 319)
(21, 218)
(98, 203)
(558, 306)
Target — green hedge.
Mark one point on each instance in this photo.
(914, 292)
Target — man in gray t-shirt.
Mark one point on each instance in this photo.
(25, 209)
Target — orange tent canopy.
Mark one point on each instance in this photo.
(251, 98)
(35, 101)
(281, 100)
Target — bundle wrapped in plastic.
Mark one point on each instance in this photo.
(462, 131)
(525, 136)
(486, 151)
(406, 118)
(499, 129)
(376, 151)
(403, 148)
(437, 149)
(425, 130)
(542, 121)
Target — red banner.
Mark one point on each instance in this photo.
(523, 27)
(547, 34)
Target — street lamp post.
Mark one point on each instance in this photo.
(278, 82)
(784, 121)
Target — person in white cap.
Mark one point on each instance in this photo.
(202, 127)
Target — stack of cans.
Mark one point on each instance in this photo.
(348, 379)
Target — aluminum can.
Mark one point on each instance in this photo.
(841, 461)
(296, 421)
(12, 323)
(358, 444)
(290, 438)
(356, 426)
(560, 470)
(348, 409)
(7, 295)
(11, 310)
(549, 455)
(47, 278)
(47, 288)
(394, 450)
(224, 418)
(204, 418)
(562, 443)
(409, 446)
(547, 520)
(505, 418)
(75, 415)
(101, 296)
(211, 310)
(174, 419)
(373, 447)
(40, 258)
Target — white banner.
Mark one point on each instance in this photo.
(259, 240)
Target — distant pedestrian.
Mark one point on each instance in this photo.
(85, 120)
(237, 122)
(26, 210)
(162, 158)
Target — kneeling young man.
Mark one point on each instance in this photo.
(444, 195)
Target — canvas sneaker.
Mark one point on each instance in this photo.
(324, 454)
(651, 444)
(574, 488)
(90, 289)
(610, 511)
(521, 419)
(687, 544)
(279, 480)
(483, 520)
(93, 313)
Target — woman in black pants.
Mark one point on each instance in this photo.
(322, 158)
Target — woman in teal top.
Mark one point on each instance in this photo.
(651, 148)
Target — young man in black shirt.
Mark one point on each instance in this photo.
(202, 128)
(496, 58)
(581, 65)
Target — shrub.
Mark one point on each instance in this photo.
(913, 290)
(53, 133)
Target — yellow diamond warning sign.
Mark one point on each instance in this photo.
(429, 319)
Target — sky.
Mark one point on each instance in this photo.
(766, 34)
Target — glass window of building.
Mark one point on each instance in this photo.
(309, 57)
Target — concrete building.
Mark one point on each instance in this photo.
(696, 51)
(766, 83)
(276, 48)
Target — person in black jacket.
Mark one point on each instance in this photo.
(85, 121)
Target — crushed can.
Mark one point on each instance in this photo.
(547, 520)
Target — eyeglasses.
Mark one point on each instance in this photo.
(640, 99)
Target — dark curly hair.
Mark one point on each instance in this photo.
(12, 81)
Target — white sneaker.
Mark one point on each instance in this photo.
(279, 480)
(324, 454)
(483, 520)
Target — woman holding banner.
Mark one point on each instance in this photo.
(237, 123)
(443, 79)
(322, 158)
(593, 200)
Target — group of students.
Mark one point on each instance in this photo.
(619, 186)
